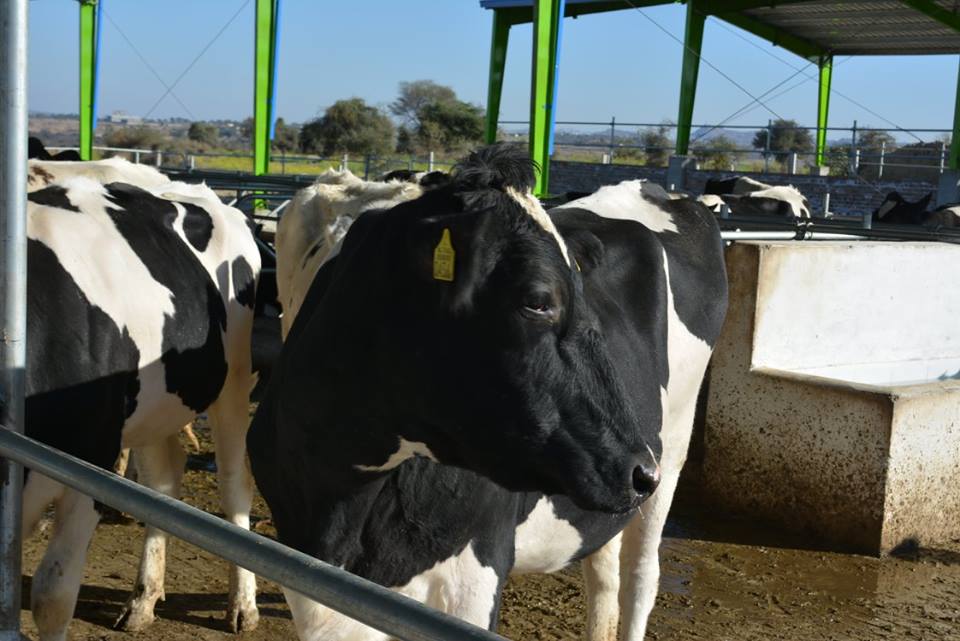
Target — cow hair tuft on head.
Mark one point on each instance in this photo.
(497, 166)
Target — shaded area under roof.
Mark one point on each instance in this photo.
(811, 27)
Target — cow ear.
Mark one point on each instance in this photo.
(585, 248)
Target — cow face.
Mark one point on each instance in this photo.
(493, 358)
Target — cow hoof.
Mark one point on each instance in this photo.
(133, 619)
(240, 619)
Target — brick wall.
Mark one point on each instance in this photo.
(848, 196)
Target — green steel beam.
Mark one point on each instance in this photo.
(521, 15)
(88, 63)
(692, 43)
(545, 29)
(823, 106)
(935, 11)
(955, 139)
(266, 30)
(795, 44)
(498, 59)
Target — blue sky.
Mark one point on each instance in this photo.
(617, 64)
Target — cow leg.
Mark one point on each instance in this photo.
(38, 493)
(56, 582)
(601, 582)
(230, 420)
(159, 467)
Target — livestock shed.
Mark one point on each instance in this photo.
(815, 30)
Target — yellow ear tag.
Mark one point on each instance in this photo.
(443, 256)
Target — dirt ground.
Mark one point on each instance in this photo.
(722, 580)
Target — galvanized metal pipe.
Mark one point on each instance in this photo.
(13, 299)
(367, 602)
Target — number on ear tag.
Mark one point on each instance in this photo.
(443, 256)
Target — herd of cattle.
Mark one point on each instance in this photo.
(470, 385)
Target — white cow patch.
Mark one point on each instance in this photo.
(712, 201)
(121, 285)
(545, 542)
(406, 449)
(625, 201)
(461, 586)
(532, 206)
(786, 193)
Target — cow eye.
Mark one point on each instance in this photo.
(540, 308)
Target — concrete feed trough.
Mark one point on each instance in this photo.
(834, 399)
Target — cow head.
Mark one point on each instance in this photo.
(483, 348)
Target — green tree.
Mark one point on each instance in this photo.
(139, 137)
(350, 126)
(656, 145)
(285, 137)
(203, 132)
(873, 140)
(717, 153)
(785, 137)
(416, 95)
(449, 126)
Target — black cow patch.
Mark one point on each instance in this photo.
(197, 226)
(244, 284)
(193, 352)
(81, 382)
(54, 196)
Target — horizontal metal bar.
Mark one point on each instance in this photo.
(357, 598)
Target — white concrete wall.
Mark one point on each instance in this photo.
(875, 313)
(802, 426)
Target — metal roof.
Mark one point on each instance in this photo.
(863, 28)
(813, 27)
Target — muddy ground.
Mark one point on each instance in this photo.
(722, 579)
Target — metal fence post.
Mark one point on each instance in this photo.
(792, 163)
(159, 158)
(613, 135)
(766, 150)
(883, 153)
(136, 157)
(344, 162)
(430, 162)
(943, 156)
(853, 156)
(13, 240)
(366, 167)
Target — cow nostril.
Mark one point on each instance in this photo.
(646, 479)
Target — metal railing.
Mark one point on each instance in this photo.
(357, 598)
(368, 166)
(618, 142)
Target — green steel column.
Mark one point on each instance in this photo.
(498, 58)
(823, 107)
(546, 22)
(266, 29)
(88, 61)
(955, 139)
(692, 44)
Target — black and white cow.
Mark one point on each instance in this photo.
(748, 197)
(316, 220)
(473, 387)
(36, 149)
(426, 179)
(140, 305)
(896, 210)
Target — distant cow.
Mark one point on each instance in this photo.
(426, 179)
(896, 210)
(140, 308)
(473, 387)
(36, 149)
(748, 197)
